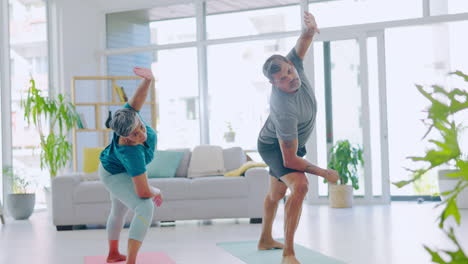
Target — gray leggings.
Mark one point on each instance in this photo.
(123, 197)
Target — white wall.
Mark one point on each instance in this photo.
(81, 33)
(78, 36)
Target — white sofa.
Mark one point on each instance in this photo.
(77, 200)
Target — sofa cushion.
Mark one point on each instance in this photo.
(95, 192)
(93, 176)
(172, 188)
(240, 171)
(207, 160)
(164, 164)
(218, 187)
(91, 159)
(91, 192)
(233, 158)
(182, 170)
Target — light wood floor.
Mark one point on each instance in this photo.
(391, 234)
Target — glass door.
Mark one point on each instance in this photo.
(349, 85)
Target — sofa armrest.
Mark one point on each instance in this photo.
(258, 181)
(63, 187)
(257, 174)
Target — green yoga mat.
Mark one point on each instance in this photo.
(247, 252)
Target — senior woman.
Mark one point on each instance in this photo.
(123, 172)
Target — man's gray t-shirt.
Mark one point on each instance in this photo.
(291, 115)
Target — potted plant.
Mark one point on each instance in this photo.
(21, 201)
(230, 135)
(446, 183)
(56, 116)
(345, 159)
(445, 150)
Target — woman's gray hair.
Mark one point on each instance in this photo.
(125, 120)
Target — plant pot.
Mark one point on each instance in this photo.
(21, 206)
(341, 196)
(447, 184)
(48, 199)
(230, 136)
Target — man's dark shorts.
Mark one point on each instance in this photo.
(271, 154)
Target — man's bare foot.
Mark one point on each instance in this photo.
(116, 257)
(269, 244)
(331, 176)
(290, 260)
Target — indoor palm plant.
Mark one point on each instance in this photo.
(20, 202)
(345, 159)
(53, 118)
(442, 116)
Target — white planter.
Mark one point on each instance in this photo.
(230, 136)
(341, 196)
(448, 184)
(21, 206)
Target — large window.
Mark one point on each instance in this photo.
(28, 58)
(177, 97)
(224, 72)
(173, 31)
(417, 55)
(456, 6)
(350, 12)
(238, 97)
(176, 70)
(252, 22)
(342, 90)
(161, 25)
(176, 86)
(238, 92)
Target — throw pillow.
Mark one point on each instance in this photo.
(244, 168)
(164, 164)
(233, 158)
(93, 176)
(182, 170)
(91, 159)
(207, 160)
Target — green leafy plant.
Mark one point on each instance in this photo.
(426, 185)
(345, 159)
(445, 151)
(19, 185)
(61, 116)
(229, 126)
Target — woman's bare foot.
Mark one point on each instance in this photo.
(116, 257)
(269, 244)
(290, 260)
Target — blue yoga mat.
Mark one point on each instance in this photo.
(247, 252)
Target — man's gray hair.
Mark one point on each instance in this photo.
(125, 120)
(273, 65)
